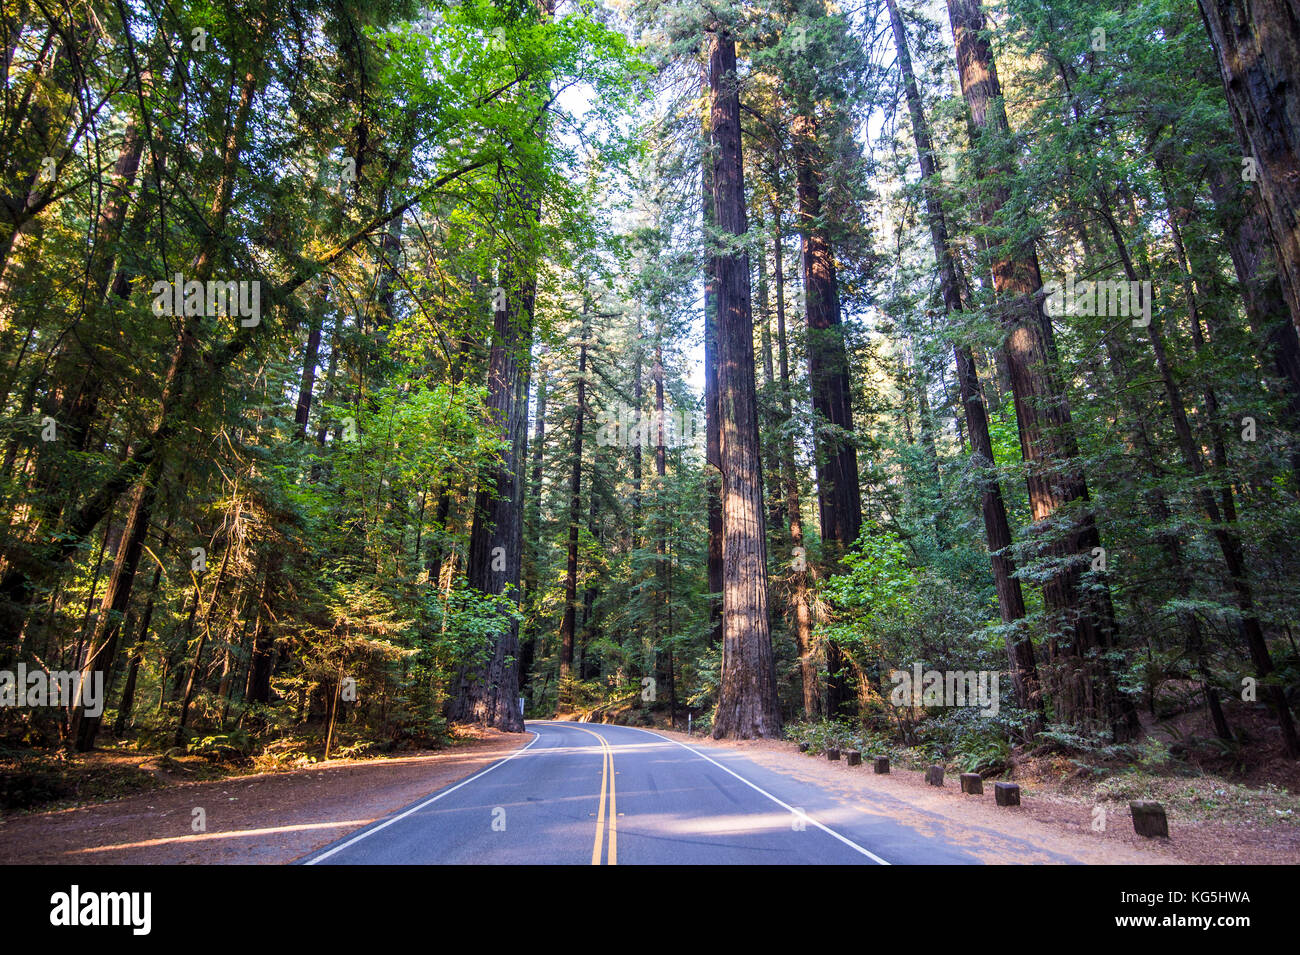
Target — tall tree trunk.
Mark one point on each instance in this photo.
(1081, 620)
(839, 498)
(771, 452)
(310, 356)
(1255, 262)
(803, 632)
(489, 692)
(76, 384)
(1257, 44)
(104, 638)
(662, 572)
(712, 447)
(1222, 522)
(638, 396)
(567, 626)
(528, 651)
(747, 704)
(997, 529)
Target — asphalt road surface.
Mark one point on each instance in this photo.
(596, 794)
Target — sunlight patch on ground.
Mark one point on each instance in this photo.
(738, 823)
(236, 834)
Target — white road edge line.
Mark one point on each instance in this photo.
(826, 829)
(446, 792)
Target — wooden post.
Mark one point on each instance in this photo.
(972, 783)
(854, 757)
(934, 775)
(882, 764)
(1149, 819)
(833, 753)
(1006, 794)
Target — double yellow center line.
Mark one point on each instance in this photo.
(605, 820)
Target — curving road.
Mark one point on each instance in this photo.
(584, 794)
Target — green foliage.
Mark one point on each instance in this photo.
(875, 594)
(220, 745)
(332, 460)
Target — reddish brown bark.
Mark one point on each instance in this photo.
(1082, 621)
(997, 529)
(747, 704)
(1257, 43)
(839, 498)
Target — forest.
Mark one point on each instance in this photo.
(774, 369)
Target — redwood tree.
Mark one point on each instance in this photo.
(1081, 618)
(997, 529)
(747, 704)
(1257, 43)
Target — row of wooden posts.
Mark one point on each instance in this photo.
(1148, 817)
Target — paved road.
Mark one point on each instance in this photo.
(595, 794)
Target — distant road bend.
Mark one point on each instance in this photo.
(601, 794)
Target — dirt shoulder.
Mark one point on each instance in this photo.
(1050, 822)
(268, 819)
